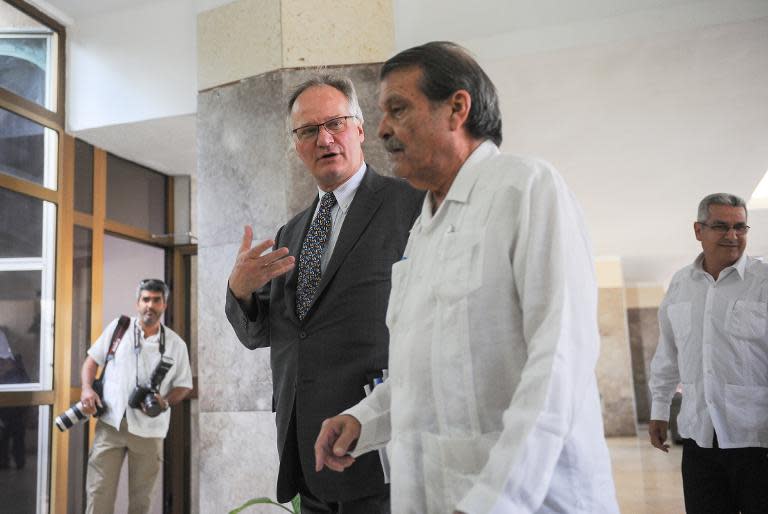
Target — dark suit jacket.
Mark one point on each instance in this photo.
(320, 365)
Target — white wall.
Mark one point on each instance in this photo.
(125, 264)
(132, 65)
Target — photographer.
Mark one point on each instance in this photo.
(134, 375)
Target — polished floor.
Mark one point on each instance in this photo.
(647, 480)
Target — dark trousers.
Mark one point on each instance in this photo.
(368, 505)
(310, 502)
(724, 481)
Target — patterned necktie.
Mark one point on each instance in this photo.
(311, 252)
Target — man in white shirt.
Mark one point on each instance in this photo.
(123, 430)
(713, 340)
(491, 405)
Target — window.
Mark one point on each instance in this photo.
(28, 61)
(83, 177)
(27, 229)
(28, 150)
(130, 185)
(31, 128)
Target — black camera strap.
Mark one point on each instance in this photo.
(137, 345)
(117, 336)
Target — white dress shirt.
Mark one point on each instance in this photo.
(714, 340)
(491, 404)
(344, 194)
(121, 375)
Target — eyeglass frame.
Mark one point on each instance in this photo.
(738, 229)
(295, 132)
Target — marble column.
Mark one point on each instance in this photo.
(642, 315)
(251, 54)
(614, 367)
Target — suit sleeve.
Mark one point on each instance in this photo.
(554, 275)
(251, 325)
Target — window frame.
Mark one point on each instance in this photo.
(50, 393)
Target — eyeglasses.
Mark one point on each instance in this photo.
(332, 126)
(723, 228)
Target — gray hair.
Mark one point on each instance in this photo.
(342, 84)
(719, 199)
(155, 285)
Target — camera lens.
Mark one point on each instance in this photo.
(152, 406)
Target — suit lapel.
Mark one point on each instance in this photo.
(294, 242)
(364, 206)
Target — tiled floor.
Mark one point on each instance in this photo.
(647, 480)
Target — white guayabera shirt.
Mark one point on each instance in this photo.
(714, 340)
(492, 403)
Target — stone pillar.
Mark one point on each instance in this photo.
(251, 54)
(614, 367)
(643, 318)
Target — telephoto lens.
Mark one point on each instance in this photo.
(71, 417)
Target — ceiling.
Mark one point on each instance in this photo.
(640, 210)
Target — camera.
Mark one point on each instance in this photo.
(75, 414)
(145, 395)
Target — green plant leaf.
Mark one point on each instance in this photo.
(296, 504)
(256, 501)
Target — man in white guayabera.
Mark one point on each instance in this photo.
(713, 340)
(491, 404)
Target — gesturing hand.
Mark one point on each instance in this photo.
(252, 269)
(338, 436)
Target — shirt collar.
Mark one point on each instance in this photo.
(468, 173)
(462, 184)
(345, 193)
(740, 265)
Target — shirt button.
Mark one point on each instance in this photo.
(302, 335)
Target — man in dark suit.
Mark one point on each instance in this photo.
(319, 298)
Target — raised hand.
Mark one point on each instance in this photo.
(252, 269)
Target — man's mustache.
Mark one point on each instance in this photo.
(392, 144)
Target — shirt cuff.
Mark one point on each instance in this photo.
(367, 440)
(660, 411)
(93, 354)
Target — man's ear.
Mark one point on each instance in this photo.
(697, 230)
(460, 103)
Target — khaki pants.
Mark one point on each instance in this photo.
(110, 446)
